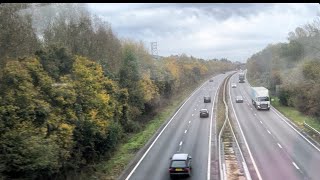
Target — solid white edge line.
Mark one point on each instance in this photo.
(224, 171)
(244, 138)
(210, 131)
(247, 173)
(246, 170)
(136, 166)
(295, 129)
(295, 165)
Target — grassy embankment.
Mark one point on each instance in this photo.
(298, 118)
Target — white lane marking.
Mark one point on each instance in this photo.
(192, 114)
(269, 132)
(180, 143)
(279, 145)
(295, 130)
(251, 108)
(195, 109)
(185, 131)
(244, 138)
(224, 171)
(144, 155)
(295, 165)
(255, 114)
(189, 122)
(210, 132)
(261, 122)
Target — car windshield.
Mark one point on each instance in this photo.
(263, 99)
(178, 163)
(204, 110)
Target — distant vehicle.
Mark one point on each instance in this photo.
(211, 80)
(207, 99)
(239, 99)
(260, 98)
(233, 85)
(180, 164)
(241, 77)
(204, 113)
(223, 72)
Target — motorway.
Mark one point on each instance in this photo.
(184, 133)
(278, 150)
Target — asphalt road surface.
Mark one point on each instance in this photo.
(278, 150)
(185, 133)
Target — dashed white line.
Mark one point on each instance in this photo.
(295, 165)
(261, 122)
(192, 114)
(185, 131)
(180, 143)
(195, 109)
(269, 132)
(251, 108)
(276, 112)
(154, 141)
(279, 145)
(255, 114)
(189, 122)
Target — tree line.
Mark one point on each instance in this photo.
(292, 70)
(71, 90)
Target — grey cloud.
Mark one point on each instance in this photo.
(183, 27)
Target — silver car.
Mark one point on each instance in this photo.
(239, 99)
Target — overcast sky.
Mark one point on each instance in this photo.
(206, 30)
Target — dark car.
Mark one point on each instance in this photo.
(207, 99)
(239, 99)
(211, 80)
(180, 164)
(204, 113)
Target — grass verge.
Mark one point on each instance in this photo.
(112, 168)
(298, 118)
(220, 110)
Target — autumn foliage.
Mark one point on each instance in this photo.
(70, 100)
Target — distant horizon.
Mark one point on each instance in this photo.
(206, 30)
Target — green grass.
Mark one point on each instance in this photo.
(220, 110)
(298, 118)
(112, 168)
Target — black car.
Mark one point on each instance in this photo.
(204, 113)
(180, 164)
(211, 80)
(207, 99)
